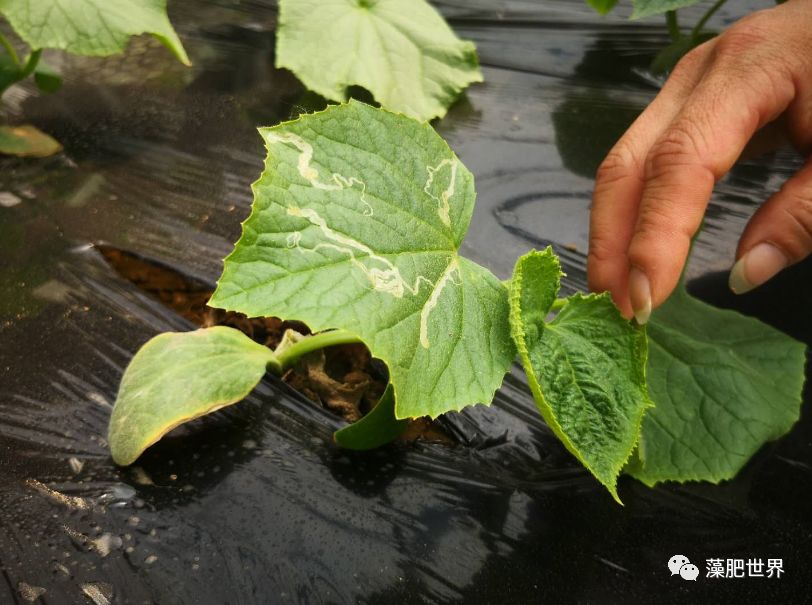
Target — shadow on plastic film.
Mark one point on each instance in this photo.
(254, 504)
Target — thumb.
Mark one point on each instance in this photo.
(778, 235)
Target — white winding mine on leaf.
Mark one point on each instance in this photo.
(311, 175)
(396, 281)
(388, 280)
(443, 203)
(453, 267)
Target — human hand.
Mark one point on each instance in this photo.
(654, 185)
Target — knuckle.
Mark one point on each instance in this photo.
(690, 63)
(663, 217)
(752, 52)
(679, 146)
(656, 216)
(602, 250)
(747, 33)
(619, 163)
(798, 207)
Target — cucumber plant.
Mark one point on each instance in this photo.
(682, 40)
(82, 27)
(355, 230)
(401, 51)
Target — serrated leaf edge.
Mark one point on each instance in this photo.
(452, 252)
(341, 96)
(517, 332)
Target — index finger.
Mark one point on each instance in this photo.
(734, 99)
(620, 179)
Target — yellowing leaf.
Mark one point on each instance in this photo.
(179, 376)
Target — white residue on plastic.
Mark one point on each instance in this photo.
(58, 497)
(76, 465)
(103, 545)
(98, 592)
(8, 199)
(29, 592)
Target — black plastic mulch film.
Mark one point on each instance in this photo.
(254, 504)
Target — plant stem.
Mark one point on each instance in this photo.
(314, 342)
(30, 64)
(711, 12)
(673, 25)
(10, 50)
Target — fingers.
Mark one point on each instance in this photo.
(736, 97)
(620, 179)
(778, 235)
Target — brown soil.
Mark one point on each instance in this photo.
(344, 379)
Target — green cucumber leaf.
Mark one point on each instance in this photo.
(723, 385)
(602, 6)
(402, 51)
(586, 367)
(377, 428)
(90, 27)
(646, 8)
(177, 377)
(356, 224)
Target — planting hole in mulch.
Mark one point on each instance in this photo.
(344, 379)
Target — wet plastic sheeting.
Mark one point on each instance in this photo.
(254, 504)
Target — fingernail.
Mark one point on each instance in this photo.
(640, 295)
(757, 266)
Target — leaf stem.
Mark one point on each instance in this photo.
(314, 342)
(9, 49)
(673, 25)
(558, 304)
(711, 12)
(30, 64)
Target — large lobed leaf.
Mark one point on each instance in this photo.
(90, 27)
(402, 51)
(723, 385)
(179, 376)
(586, 367)
(356, 224)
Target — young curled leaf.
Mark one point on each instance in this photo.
(177, 377)
(586, 367)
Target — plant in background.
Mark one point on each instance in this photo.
(682, 41)
(402, 51)
(355, 230)
(82, 27)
